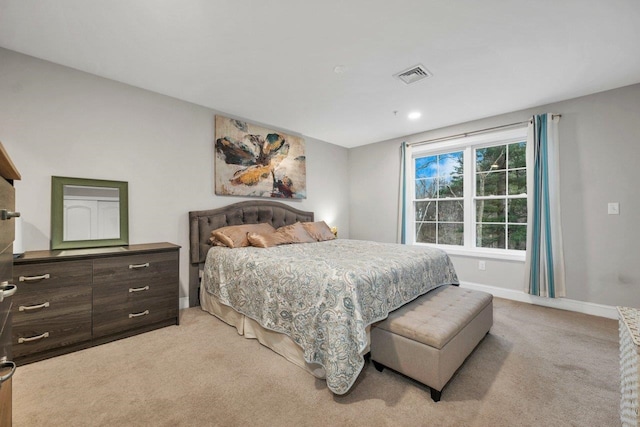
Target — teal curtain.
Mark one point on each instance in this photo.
(402, 223)
(544, 266)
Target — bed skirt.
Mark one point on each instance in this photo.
(249, 328)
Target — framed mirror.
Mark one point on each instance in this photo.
(88, 213)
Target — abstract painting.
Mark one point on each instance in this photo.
(254, 161)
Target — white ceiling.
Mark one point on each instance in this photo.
(272, 62)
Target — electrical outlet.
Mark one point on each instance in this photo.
(613, 208)
(481, 266)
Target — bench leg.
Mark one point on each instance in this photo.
(435, 394)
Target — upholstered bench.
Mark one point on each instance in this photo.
(429, 338)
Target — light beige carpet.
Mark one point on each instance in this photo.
(537, 367)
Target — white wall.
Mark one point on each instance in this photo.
(59, 121)
(600, 150)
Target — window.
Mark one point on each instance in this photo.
(470, 194)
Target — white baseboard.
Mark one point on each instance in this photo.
(593, 309)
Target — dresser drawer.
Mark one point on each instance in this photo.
(133, 292)
(30, 308)
(51, 275)
(57, 331)
(133, 315)
(136, 269)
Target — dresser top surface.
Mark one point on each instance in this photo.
(69, 254)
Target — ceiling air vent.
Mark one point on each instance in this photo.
(413, 74)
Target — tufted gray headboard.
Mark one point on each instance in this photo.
(201, 223)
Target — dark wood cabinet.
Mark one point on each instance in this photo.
(73, 299)
(8, 173)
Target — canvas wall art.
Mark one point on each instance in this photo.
(254, 161)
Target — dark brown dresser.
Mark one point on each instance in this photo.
(9, 173)
(77, 298)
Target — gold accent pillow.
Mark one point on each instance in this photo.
(235, 236)
(294, 233)
(319, 230)
(266, 240)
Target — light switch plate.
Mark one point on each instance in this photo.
(613, 208)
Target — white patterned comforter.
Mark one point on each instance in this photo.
(323, 295)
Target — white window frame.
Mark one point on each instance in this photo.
(467, 145)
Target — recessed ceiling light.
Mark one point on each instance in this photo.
(340, 69)
(414, 115)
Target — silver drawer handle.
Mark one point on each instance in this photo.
(7, 364)
(132, 266)
(144, 288)
(33, 307)
(37, 337)
(7, 289)
(31, 278)
(144, 313)
(5, 214)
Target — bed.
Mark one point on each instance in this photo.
(312, 303)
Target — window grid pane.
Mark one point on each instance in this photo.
(517, 237)
(490, 236)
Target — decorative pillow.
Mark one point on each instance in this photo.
(294, 233)
(235, 236)
(215, 242)
(266, 240)
(319, 230)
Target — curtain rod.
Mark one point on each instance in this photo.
(476, 132)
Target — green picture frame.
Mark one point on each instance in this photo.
(58, 184)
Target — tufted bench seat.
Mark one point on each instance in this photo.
(429, 338)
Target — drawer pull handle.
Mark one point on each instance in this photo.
(7, 289)
(5, 214)
(36, 338)
(133, 266)
(144, 288)
(31, 278)
(33, 307)
(144, 313)
(7, 364)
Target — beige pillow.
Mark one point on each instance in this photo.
(266, 240)
(235, 236)
(320, 231)
(294, 233)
